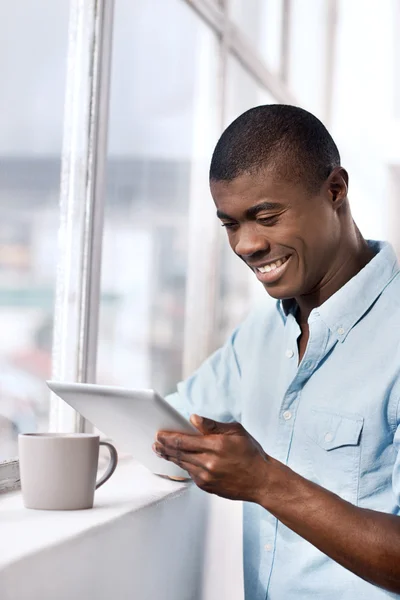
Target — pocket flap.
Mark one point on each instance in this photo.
(332, 430)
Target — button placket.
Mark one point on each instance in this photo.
(267, 541)
(292, 330)
(286, 416)
(316, 349)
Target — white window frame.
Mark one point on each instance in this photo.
(82, 202)
(237, 44)
(83, 189)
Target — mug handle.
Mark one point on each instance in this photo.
(111, 466)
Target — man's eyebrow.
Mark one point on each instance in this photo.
(253, 210)
(222, 215)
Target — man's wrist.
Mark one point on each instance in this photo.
(280, 487)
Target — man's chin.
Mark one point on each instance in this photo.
(280, 292)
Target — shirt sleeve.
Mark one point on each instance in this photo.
(213, 391)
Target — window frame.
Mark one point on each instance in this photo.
(82, 199)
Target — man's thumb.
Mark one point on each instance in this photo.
(208, 426)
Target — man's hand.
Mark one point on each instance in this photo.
(226, 460)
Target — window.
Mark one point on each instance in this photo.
(262, 23)
(307, 60)
(160, 236)
(163, 125)
(396, 71)
(168, 293)
(33, 50)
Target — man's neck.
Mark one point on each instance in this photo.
(353, 260)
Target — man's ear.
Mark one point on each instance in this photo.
(338, 182)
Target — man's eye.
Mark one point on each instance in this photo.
(229, 225)
(269, 220)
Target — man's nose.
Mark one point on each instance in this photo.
(250, 242)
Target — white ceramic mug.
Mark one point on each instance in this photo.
(58, 470)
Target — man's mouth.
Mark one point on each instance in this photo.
(271, 271)
(271, 266)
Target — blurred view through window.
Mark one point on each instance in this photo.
(32, 72)
(160, 92)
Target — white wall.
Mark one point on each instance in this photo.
(223, 572)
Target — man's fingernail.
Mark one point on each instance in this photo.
(157, 451)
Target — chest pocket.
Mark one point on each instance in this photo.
(333, 447)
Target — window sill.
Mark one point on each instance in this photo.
(130, 529)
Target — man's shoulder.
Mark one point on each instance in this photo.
(388, 305)
(391, 294)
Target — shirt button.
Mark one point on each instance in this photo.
(289, 353)
(268, 547)
(308, 364)
(328, 437)
(287, 415)
(340, 331)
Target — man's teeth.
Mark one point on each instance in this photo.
(272, 266)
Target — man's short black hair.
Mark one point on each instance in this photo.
(290, 140)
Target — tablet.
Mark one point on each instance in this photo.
(131, 418)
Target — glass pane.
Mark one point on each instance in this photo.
(239, 288)
(396, 61)
(33, 46)
(261, 21)
(243, 91)
(307, 53)
(163, 107)
(363, 122)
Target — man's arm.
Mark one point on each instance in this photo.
(226, 460)
(364, 541)
(212, 390)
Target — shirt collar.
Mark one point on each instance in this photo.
(286, 307)
(346, 307)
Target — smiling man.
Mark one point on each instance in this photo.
(300, 409)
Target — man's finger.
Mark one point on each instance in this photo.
(180, 457)
(209, 426)
(183, 441)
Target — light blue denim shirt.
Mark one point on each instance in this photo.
(333, 419)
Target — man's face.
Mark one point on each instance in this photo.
(285, 234)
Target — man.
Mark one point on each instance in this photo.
(302, 402)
